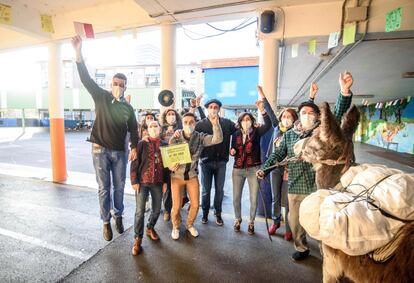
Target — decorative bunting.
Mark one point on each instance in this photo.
(295, 50)
(312, 47)
(349, 34)
(333, 39)
(393, 20)
(47, 24)
(5, 14)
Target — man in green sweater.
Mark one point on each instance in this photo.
(115, 117)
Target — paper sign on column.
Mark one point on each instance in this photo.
(5, 14)
(393, 20)
(47, 24)
(349, 34)
(172, 154)
(333, 39)
(83, 29)
(295, 50)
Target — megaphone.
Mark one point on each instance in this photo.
(166, 98)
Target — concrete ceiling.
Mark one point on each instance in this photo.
(377, 67)
(112, 15)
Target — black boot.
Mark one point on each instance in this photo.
(118, 225)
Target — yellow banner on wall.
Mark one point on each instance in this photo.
(172, 154)
(47, 24)
(5, 14)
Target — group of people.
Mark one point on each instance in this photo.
(211, 140)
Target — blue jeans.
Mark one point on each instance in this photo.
(110, 165)
(216, 169)
(239, 177)
(141, 199)
(278, 190)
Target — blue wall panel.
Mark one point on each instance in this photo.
(232, 86)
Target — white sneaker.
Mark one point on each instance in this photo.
(175, 234)
(193, 231)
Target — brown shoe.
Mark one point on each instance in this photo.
(136, 249)
(107, 232)
(152, 234)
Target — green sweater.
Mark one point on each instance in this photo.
(301, 174)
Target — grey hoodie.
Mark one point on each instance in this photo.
(196, 143)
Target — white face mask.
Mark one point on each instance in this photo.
(307, 120)
(287, 122)
(188, 130)
(170, 119)
(212, 112)
(246, 125)
(154, 132)
(117, 92)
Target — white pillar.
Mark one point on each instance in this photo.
(168, 61)
(56, 111)
(268, 69)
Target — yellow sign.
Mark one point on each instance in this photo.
(5, 14)
(47, 24)
(172, 154)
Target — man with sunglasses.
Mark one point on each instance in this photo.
(114, 119)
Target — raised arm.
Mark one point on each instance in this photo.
(267, 107)
(216, 137)
(90, 85)
(262, 129)
(343, 102)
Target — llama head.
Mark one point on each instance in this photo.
(330, 148)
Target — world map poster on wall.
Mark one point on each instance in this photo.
(389, 125)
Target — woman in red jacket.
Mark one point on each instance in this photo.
(245, 147)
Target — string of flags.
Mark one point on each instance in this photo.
(396, 102)
(392, 23)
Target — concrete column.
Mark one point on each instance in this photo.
(268, 69)
(56, 111)
(168, 59)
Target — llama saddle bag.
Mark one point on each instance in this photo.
(365, 214)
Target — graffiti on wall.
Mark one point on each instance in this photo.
(389, 125)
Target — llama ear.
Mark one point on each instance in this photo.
(350, 121)
(329, 128)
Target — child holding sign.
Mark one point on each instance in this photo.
(148, 176)
(186, 175)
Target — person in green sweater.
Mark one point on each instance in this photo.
(301, 180)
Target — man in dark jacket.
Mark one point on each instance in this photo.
(114, 119)
(214, 160)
